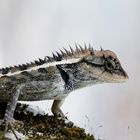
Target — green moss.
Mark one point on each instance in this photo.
(46, 127)
(76, 133)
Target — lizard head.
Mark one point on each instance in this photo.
(105, 66)
(88, 66)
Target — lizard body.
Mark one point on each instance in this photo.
(55, 77)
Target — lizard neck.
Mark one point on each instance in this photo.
(75, 77)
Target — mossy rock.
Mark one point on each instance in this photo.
(46, 127)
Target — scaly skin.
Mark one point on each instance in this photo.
(55, 77)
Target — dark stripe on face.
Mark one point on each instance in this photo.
(93, 64)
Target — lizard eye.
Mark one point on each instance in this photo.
(110, 65)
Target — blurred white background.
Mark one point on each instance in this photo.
(35, 28)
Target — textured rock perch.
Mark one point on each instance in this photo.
(44, 126)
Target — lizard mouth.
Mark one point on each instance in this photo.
(111, 78)
(114, 78)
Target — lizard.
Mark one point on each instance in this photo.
(54, 77)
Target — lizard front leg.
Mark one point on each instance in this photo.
(9, 113)
(56, 108)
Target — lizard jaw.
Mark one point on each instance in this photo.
(114, 78)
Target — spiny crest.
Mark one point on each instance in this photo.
(22, 67)
(65, 54)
